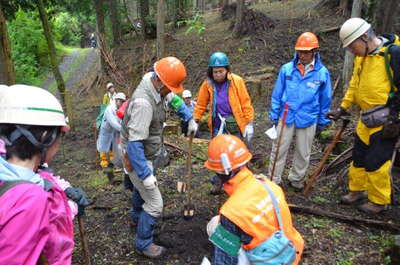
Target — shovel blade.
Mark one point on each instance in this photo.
(181, 187)
(188, 211)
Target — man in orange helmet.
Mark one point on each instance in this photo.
(142, 142)
(255, 221)
(304, 84)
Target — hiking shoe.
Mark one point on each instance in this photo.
(353, 197)
(297, 185)
(154, 251)
(372, 208)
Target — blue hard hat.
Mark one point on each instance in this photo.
(218, 59)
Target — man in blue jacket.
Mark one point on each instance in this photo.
(303, 84)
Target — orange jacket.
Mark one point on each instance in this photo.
(239, 100)
(250, 208)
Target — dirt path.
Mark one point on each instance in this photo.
(74, 68)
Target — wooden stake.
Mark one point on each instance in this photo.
(318, 170)
(85, 246)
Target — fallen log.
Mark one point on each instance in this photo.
(344, 218)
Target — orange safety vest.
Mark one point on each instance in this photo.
(250, 208)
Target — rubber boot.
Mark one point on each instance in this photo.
(103, 160)
(111, 156)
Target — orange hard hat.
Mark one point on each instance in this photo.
(171, 72)
(306, 42)
(226, 152)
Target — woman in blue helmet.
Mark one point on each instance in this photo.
(229, 104)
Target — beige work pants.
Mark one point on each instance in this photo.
(301, 159)
(153, 202)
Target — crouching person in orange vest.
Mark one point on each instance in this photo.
(254, 225)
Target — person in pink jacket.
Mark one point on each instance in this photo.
(35, 212)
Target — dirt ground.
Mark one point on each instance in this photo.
(109, 228)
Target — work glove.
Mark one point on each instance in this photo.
(169, 97)
(212, 225)
(79, 197)
(150, 182)
(249, 131)
(336, 114)
(192, 127)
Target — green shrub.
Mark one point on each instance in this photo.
(27, 40)
(66, 29)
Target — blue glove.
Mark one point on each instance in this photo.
(78, 196)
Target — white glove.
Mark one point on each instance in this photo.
(169, 97)
(193, 126)
(248, 131)
(205, 261)
(212, 225)
(272, 133)
(150, 182)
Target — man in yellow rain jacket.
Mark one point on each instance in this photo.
(370, 87)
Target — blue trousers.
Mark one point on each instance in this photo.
(145, 223)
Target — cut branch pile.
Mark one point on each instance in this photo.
(253, 21)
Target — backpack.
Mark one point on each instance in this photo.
(387, 67)
(99, 118)
(276, 250)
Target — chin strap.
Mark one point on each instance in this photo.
(21, 131)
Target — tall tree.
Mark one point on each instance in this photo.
(385, 15)
(115, 22)
(349, 57)
(239, 18)
(160, 29)
(101, 32)
(223, 3)
(144, 14)
(52, 50)
(7, 73)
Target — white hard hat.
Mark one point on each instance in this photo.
(22, 104)
(186, 94)
(109, 84)
(352, 29)
(120, 95)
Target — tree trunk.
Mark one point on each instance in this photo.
(344, 5)
(385, 15)
(223, 3)
(115, 22)
(202, 6)
(349, 57)
(101, 33)
(7, 73)
(52, 50)
(239, 18)
(144, 13)
(160, 28)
